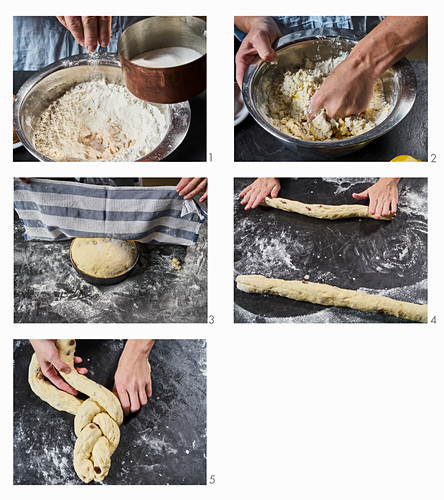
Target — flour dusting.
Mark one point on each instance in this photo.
(100, 121)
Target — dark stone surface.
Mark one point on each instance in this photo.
(47, 289)
(410, 137)
(387, 258)
(163, 443)
(193, 147)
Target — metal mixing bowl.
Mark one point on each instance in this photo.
(399, 84)
(164, 85)
(52, 82)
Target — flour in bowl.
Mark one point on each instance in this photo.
(100, 121)
(289, 96)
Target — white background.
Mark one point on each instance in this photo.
(294, 411)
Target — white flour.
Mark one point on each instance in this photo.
(166, 57)
(290, 95)
(99, 121)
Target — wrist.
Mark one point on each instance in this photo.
(389, 181)
(247, 23)
(138, 348)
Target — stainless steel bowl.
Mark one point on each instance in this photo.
(399, 84)
(51, 82)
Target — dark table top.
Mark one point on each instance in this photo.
(47, 289)
(410, 137)
(193, 147)
(379, 257)
(163, 443)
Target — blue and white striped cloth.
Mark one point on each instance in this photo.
(59, 210)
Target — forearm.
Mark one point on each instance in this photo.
(392, 39)
(136, 348)
(245, 23)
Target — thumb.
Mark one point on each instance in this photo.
(360, 196)
(263, 47)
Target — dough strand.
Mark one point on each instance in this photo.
(97, 419)
(328, 295)
(331, 212)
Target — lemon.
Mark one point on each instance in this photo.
(404, 158)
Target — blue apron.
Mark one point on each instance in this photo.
(42, 40)
(289, 24)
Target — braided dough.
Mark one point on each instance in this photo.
(97, 419)
(327, 295)
(322, 211)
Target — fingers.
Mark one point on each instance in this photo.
(260, 189)
(245, 191)
(275, 191)
(124, 400)
(104, 30)
(133, 399)
(189, 187)
(75, 26)
(52, 375)
(90, 32)
(254, 198)
(241, 67)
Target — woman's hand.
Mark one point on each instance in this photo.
(261, 188)
(132, 381)
(51, 364)
(261, 31)
(188, 187)
(88, 31)
(383, 196)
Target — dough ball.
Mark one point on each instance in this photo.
(103, 257)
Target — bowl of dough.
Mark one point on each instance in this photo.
(278, 95)
(103, 261)
(79, 109)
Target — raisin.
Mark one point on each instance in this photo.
(97, 470)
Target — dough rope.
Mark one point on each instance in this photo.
(97, 419)
(331, 212)
(328, 295)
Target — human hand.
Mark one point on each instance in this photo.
(51, 364)
(262, 32)
(188, 187)
(383, 197)
(257, 191)
(88, 31)
(132, 381)
(347, 91)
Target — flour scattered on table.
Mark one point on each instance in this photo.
(289, 97)
(99, 121)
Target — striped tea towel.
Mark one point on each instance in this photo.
(59, 210)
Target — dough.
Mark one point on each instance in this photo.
(97, 419)
(327, 295)
(103, 257)
(166, 57)
(176, 264)
(322, 211)
(289, 96)
(99, 121)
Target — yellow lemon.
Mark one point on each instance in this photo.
(404, 158)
